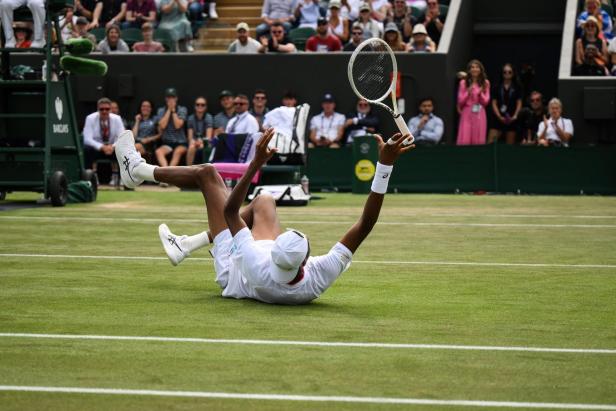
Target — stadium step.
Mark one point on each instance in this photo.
(218, 34)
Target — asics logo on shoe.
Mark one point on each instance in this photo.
(126, 164)
(385, 175)
(172, 241)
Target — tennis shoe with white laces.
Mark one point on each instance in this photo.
(128, 158)
(172, 245)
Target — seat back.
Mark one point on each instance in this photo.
(300, 35)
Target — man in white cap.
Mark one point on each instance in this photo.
(244, 44)
(253, 258)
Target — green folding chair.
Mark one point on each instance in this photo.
(300, 35)
(132, 36)
(99, 33)
(163, 36)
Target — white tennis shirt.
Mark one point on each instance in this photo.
(249, 273)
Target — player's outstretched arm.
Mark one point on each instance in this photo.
(237, 196)
(388, 154)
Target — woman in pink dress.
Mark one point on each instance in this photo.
(473, 97)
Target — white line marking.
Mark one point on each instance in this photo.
(308, 398)
(396, 223)
(561, 216)
(458, 263)
(312, 343)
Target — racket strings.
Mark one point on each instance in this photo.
(372, 71)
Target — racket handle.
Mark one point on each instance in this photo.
(404, 129)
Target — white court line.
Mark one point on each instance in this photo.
(459, 263)
(312, 343)
(308, 398)
(396, 223)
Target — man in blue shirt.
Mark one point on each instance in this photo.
(425, 126)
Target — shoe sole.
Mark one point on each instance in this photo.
(163, 233)
(125, 174)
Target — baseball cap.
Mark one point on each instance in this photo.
(171, 92)
(364, 6)
(242, 26)
(391, 27)
(420, 29)
(335, 4)
(288, 254)
(226, 93)
(81, 20)
(328, 98)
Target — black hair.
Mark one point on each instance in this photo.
(424, 99)
(259, 91)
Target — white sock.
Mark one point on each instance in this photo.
(195, 242)
(145, 171)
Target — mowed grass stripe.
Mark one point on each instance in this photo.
(377, 262)
(331, 344)
(311, 398)
(312, 222)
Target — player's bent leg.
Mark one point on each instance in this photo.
(215, 194)
(265, 223)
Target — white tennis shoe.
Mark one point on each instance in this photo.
(172, 245)
(128, 158)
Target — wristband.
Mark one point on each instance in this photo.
(381, 178)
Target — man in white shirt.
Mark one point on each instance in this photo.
(244, 44)
(100, 132)
(253, 257)
(555, 131)
(327, 128)
(244, 123)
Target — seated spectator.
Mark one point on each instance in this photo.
(403, 18)
(591, 65)
(37, 7)
(259, 106)
(109, 13)
(171, 119)
(139, 12)
(115, 109)
(81, 31)
(145, 130)
(100, 132)
(426, 127)
(434, 21)
(289, 98)
(278, 41)
(228, 111)
(307, 13)
(200, 129)
(593, 8)
(556, 131)
(112, 43)
(370, 26)
(244, 44)
(276, 11)
(22, 34)
(338, 26)
(148, 45)
(420, 43)
(531, 117)
(326, 128)
(242, 122)
(393, 38)
(173, 18)
(612, 56)
(591, 35)
(506, 106)
(67, 24)
(322, 41)
(380, 9)
(357, 36)
(349, 9)
(360, 122)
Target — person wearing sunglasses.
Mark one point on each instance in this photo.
(100, 132)
(360, 122)
(506, 105)
(278, 42)
(199, 129)
(243, 121)
(531, 117)
(253, 256)
(357, 36)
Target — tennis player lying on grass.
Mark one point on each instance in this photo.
(253, 258)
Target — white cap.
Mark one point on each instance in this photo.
(242, 26)
(420, 29)
(288, 254)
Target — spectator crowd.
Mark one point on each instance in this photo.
(595, 44)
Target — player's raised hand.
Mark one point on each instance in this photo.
(262, 152)
(390, 151)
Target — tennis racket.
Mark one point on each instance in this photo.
(373, 73)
